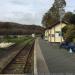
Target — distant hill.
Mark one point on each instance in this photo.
(19, 29)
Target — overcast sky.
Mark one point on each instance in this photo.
(27, 11)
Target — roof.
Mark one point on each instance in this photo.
(53, 25)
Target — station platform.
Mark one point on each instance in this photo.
(40, 66)
(49, 59)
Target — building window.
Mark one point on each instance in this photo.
(58, 34)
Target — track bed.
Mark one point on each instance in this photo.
(18, 64)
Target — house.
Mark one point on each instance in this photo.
(54, 32)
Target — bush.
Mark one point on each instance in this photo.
(69, 33)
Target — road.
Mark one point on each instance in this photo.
(55, 60)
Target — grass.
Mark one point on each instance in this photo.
(16, 41)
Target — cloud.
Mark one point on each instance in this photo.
(19, 2)
(70, 5)
(24, 11)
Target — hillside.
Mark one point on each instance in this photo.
(20, 29)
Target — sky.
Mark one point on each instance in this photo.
(28, 11)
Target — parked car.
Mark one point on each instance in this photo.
(68, 45)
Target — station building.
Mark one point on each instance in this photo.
(54, 32)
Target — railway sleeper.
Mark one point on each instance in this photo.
(17, 65)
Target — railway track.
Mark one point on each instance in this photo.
(19, 63)
(29, 67)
